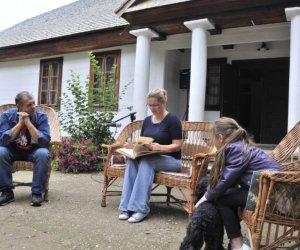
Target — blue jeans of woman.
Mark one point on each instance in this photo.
(40, 159)
(228, 205)
(138, 180)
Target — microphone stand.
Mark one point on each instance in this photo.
(132, 117)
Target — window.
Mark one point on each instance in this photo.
(213, 83)
(50, 82)
(109, 63)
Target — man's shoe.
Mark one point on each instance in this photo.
(36, 200)
(6, 197)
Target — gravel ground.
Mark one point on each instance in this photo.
(74, 219)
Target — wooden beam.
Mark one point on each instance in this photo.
(192, 10)
(83, 42)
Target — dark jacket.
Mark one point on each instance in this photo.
(9, 119)
(241, 161)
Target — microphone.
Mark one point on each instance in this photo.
(112, 124)
(132, 116)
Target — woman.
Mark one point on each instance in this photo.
(165, 129)
(230, 177)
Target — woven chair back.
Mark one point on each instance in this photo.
(288, 146)
(196, 135)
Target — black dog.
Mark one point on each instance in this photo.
(205, 226)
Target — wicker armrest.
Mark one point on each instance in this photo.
(111, 146)
(286, 176)
(202, 155)
(200, 165)
(291, 166)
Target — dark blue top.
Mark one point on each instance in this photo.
(164, 132)
(240, 163)
(9, 119)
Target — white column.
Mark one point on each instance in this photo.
(198, 67)
(293, 15)
(141, 71)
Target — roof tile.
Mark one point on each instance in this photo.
(78, 17)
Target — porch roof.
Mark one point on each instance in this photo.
(167, 17)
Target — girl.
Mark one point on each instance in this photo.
(231, 174)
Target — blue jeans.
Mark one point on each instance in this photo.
(138, 180)
(40, 159)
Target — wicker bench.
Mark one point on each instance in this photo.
(197, 150)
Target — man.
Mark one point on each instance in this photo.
(24, 135)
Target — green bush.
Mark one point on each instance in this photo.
(80, 119)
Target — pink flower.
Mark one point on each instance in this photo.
(85, 151)
(62, 160)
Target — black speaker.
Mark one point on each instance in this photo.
(184, 79)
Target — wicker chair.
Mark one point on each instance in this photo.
(197, 150)
(55, 139)
(276, 219)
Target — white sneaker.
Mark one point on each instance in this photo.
(245, 247)
(137, 217)
(124, 215)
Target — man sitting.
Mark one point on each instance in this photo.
(24, 135)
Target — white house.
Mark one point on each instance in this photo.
(215, 58)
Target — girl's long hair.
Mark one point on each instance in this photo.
(231, 132)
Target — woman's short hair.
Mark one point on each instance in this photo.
(159, 94)
(20, 97)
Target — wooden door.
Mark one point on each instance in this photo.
(274, 108)
(258, 97)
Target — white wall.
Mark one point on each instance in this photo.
(16, 77)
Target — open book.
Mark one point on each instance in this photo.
(139, 149)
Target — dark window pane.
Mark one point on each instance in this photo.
(44, 84)
(110, 63)
(44, 97)
(46, 69)
(53, 97)
(213, 85)
(53, 85)
(55, 69)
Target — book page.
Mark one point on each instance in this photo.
(145, 140)
(139, 149)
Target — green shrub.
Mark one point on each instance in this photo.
(82, 122)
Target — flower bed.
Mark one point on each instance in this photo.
(75, 156)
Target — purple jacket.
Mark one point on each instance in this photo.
(241, 160)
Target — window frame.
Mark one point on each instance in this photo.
(221, 62)
(58, 60)
(117, 54)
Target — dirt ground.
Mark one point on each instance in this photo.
(74, 219)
